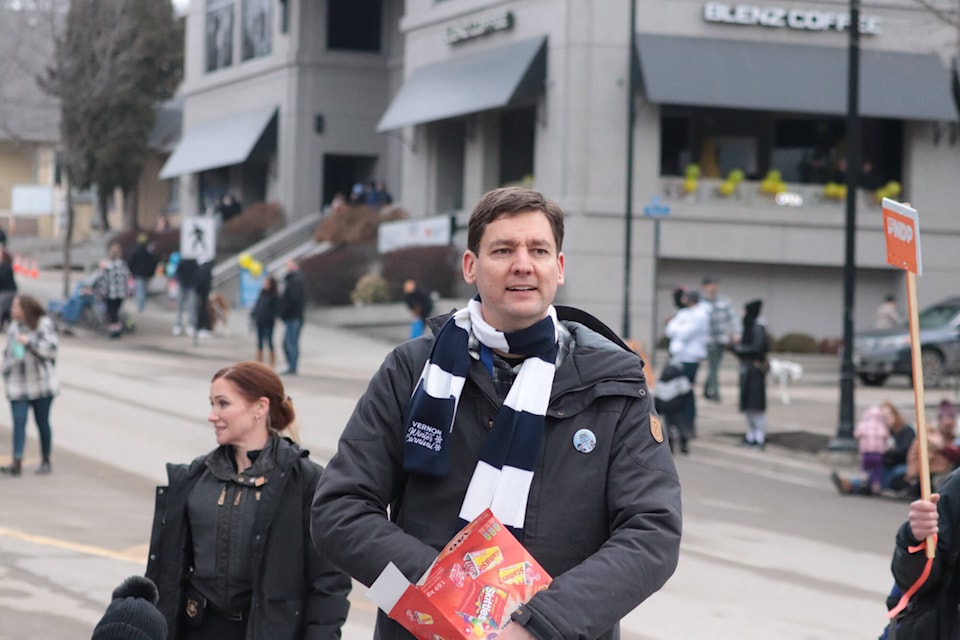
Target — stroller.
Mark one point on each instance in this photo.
(85, 309)
(671, 397)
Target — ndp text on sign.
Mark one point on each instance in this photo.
(901, 228)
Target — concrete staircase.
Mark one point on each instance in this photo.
(292, 242)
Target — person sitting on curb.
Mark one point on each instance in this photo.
(942, 452)
(894, 458)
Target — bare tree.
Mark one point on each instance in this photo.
(114, 65)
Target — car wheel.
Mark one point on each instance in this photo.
(932, 362)
(873, 379)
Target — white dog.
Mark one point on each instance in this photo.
(784, 372)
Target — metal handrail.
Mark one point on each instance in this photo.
(273, 251)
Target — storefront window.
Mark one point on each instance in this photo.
(450, 136)
(354, 25)
(257, 28)
(804, 149)
(517, 128)
(219, 34)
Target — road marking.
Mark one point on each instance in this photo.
(134, 554)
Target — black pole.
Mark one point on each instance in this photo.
(655, 328)
(631, 118)
(844, 440)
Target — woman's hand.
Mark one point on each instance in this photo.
(23, 339)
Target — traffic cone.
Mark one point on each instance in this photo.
(16, 264)
(34, 271)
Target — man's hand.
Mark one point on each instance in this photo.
(514, 631)
(923, 517)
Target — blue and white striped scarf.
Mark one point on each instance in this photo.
(504, 473)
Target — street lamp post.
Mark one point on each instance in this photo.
(844, 440)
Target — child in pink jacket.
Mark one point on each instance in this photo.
(872, 434)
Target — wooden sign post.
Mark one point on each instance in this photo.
(901, 227)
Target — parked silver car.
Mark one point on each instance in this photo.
(881, 353)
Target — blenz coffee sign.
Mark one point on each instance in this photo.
(781, 18)
(479, 27)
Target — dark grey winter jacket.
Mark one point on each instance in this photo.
(605, 524)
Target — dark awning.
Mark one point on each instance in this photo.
(469, 84)
(768, 76)
(218, 143)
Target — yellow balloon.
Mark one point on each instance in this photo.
(727, 187)
(690, 185)
(245, 259)
(893, 189)
(256, 268)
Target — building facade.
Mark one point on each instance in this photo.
(281, 100)
(466, 95)
(29, 126)
(745, 87)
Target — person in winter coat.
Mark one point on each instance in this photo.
(939, 593)
(689, 333)
(202, 287)
(264, 315)
(894, 457)
(142, 263)
(230, 550)
(186, 276)
(8, 285)
(588, 485)
(30, 377)
(672, 396)
(111, 284)
(871, 433)
(292, 306)
(752, 348)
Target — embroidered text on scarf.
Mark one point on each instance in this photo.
(504, 473)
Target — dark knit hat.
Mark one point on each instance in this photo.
(133, 614)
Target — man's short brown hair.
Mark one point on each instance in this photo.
(508, 201)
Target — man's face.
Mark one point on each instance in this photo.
(710, 290)
(517, 270)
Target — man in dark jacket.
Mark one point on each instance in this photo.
(202, 288)
(186, 275)
(143, 263)
(292, 305)
(575, 464)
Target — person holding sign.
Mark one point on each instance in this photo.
(937, 516)
(537, 412)
(930, 572)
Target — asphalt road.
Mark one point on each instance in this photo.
(769, 551)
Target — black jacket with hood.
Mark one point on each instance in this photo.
(297, 593)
